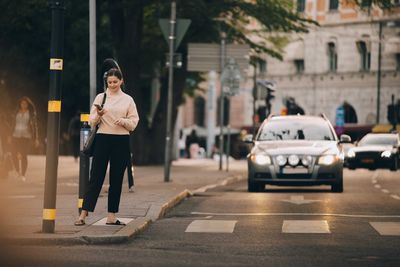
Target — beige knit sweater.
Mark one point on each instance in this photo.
(117, 106)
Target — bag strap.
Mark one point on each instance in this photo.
(104, 99)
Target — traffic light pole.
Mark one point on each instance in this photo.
(221, 102)
(167, 164)
(53, 119)
(378, 93)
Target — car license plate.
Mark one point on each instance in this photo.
(294, 170)
(367, 161)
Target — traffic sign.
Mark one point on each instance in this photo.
(206, 57)
(231, 77)
(181, 27)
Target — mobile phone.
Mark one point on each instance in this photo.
(98, 106)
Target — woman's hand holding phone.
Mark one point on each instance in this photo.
(100, 110)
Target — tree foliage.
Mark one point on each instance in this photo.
(129, 32)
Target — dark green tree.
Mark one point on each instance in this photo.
(140, 48)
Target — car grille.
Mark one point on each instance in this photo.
(294, 176)
(370, 155)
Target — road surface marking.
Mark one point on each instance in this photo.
(296, 214)
(103, 221)
(395, 197)
(18, 197)
(386, 228)
(305, 227)
(298, 200)
(385, 191)
(377, 186)
(374, 181)
(211, 226)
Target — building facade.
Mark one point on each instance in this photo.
(336, 62)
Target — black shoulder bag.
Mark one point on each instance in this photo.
(88, 147)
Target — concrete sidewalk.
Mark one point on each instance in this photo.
(22, 202)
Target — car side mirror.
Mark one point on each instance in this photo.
(344, 138)
(248, 139)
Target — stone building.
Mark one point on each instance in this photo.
(336, 61)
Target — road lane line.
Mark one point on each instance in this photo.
(386, 228)
(385, 191)
(211, 226)
(305, 227)
(395, 197)
(296, 214)
(377, 186)
(18, 197)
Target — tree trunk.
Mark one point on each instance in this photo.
(148, 141)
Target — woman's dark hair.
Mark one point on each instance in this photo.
(114, 72)
(31, 106)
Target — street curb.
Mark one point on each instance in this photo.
(140, 224)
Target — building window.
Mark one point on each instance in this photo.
(199, 111)
(396, 2)
(299, 64)
(398, 61)
(332, 57)
(366, 3)
(365, 56)
(333, 4)
(262, 64)
(301, 5)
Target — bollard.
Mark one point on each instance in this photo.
(84, 161)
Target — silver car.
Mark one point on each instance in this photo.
(296, 150)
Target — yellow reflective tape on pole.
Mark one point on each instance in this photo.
(54, 106)
(49, 214)
(80, 203)
(84, 117)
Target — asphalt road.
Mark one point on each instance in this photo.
(227, 226)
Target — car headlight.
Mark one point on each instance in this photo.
(281, 160)
(386, 154)
(293, 160)
(351, 154)
(261, 159)
(327, 160)
(306, 160)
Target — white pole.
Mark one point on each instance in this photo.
(92, 51)
(211, 103)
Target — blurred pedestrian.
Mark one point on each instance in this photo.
(115, 119)
(24, 134)
(74, 131)
(181, 144)
(192, 144)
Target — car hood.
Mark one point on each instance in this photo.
(374, 148)
(312, 148)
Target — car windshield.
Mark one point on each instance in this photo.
(295, 130)
(378, 140)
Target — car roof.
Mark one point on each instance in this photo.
(296, 117)
(383, 134)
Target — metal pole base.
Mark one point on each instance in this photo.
(48, 226)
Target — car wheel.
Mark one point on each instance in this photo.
(255, 187)
(337, 187)
(395, 165)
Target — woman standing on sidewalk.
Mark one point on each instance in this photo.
(116, 119)
(25, 130)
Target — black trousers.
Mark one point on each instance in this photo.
(113, 149)
(20, 153)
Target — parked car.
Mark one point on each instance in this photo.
(376, 150)
(296, 150)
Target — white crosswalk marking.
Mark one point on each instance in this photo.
(386, 228)
(306, 226)
(211, 226)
